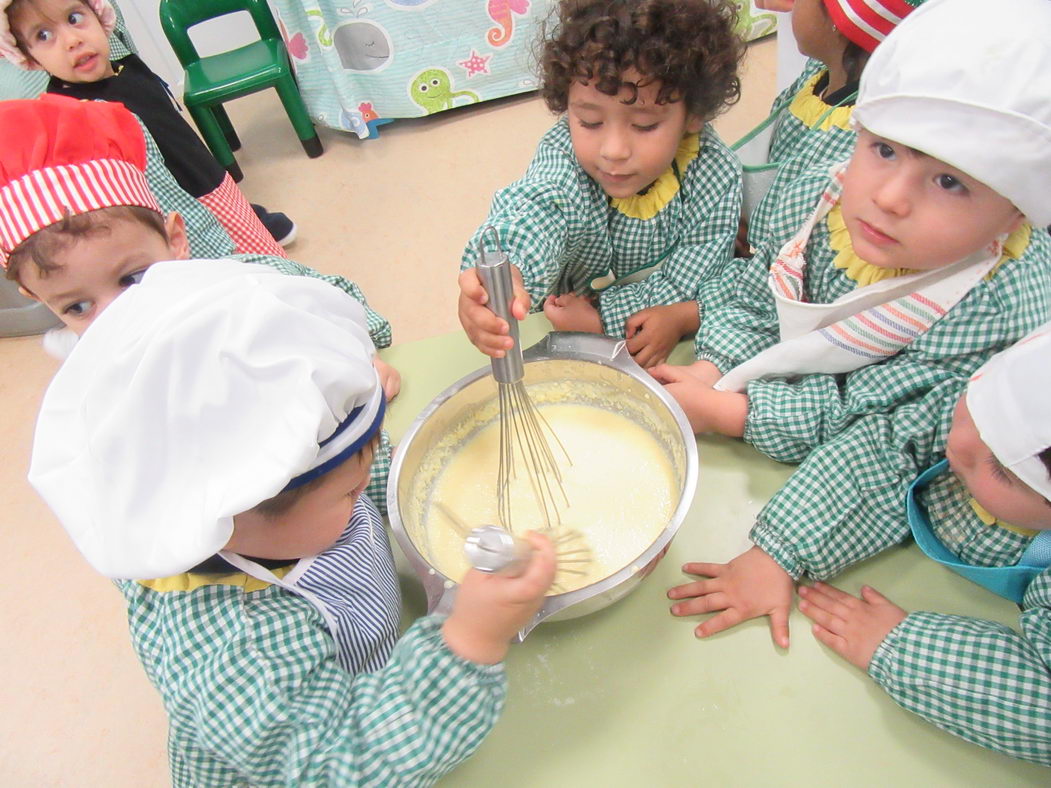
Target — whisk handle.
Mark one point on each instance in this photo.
(490, 548)
(494, 269)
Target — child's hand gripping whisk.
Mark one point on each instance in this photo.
(522, 427)
(491, 549)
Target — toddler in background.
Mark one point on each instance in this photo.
(68, 39)
(261, 591)
(989, 519)
(930, 223)
(633, 177)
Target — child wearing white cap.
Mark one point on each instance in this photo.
(809, 122)
(989, 519)
(844, 351)
(809, 125)
(258, 579)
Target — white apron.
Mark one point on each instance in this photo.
(352, 584)
(862, 327)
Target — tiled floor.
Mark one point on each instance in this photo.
(392, 214)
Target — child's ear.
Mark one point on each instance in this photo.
(28, 293)
(694, 123)
(178, 241)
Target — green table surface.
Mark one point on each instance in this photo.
(628, 696)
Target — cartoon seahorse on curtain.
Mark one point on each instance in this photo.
(501, 12)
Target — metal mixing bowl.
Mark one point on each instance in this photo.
(577, 368)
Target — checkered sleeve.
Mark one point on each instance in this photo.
(378, 326)
(274, 708)
(208, 240)
(977, 679)
(741, 319)
(545, 222)
(788, 418)
(846, 501)
(710, 214)
(377, 486)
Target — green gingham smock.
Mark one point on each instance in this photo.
(557, 225)
(255, 694)
(846, 502)
(787, 418)
(805, 138)
(978, 679)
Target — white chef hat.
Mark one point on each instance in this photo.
(1009, 399)
(204, 390)
(966, 81)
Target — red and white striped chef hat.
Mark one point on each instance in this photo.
(867, 22)
(68, 157)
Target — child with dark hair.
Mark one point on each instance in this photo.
(632, 179)
(985, 512)
(69, 40)
(207, 445)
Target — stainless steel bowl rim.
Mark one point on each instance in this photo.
(556, 346)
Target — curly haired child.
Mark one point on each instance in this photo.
(631, 178)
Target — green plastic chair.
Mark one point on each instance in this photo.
(212, 80)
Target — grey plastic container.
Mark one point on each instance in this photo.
(21, 316)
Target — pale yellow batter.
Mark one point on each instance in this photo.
(620, 487)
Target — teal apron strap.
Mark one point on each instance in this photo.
(1006, 581)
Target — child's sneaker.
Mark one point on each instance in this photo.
(277, 224)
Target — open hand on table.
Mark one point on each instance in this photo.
(390, 378)
(708, 410)
(487, 332)
(850, 626)
(654, 332)
(751, 585)
(572, 312)
(490, 609)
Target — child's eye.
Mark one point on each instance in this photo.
(77, 309)
(883, 150)
(76, 17)
(132, 279)
(950, 183)
(42, 36)
(998, 470)
(649, 127)
(589, 125)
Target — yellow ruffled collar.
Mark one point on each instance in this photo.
(812, 112)
(190, 581)
(988, 519)
(866, 274)
(662, 190)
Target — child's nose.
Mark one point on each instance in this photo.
(70, 39)
(615, 146)
(893, 195)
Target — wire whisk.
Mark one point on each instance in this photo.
(491, 548)
(524, 432)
